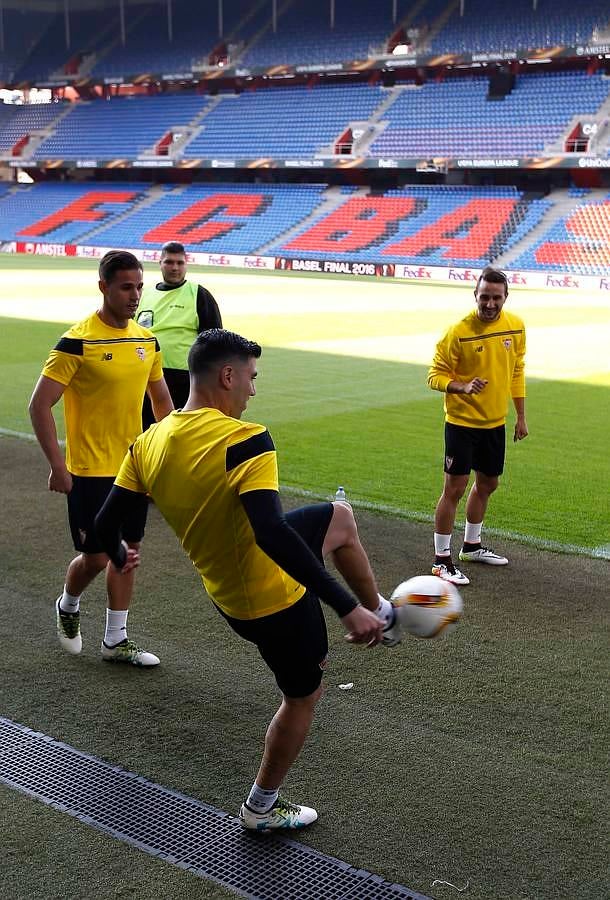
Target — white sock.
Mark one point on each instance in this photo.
(442, 544)
(385, 610)
(261, 800)
(116, 626)
(69, 603)
(472, 532)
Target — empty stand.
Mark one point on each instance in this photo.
(454, 118)
(130, 126)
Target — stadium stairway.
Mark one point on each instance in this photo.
(332, 198)
(195, 127)
(563, 204)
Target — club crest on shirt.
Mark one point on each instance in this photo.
(140, 353)
(507, 343)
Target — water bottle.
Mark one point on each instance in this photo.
(340, 493)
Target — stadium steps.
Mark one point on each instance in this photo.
(260, 34)
(600, 143)
(129, 26)
(195, 127)
(374, 126)
(563, 204)
(440, 21)
(38, 137)
(333, 197)
(152, 195)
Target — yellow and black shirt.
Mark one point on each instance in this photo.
(105, 371)
(196, 465)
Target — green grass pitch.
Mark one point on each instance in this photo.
(479, 759)
(343, 389)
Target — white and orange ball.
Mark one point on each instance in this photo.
(427, 606)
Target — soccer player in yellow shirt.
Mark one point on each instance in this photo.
(478, 364)
(101, 367)
(214, 479)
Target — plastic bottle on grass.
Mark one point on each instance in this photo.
(340, 494)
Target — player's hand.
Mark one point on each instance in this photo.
(363, 627)
(520, 430)
(475, 386)
(60, 480)
(132, 560)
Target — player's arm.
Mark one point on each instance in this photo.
(160, 398)
(46, 394)
(108, 523)
(287, 548)
(441, 374)
(520, 425)
(208, 312)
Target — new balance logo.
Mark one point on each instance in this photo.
(106, 357)
(479, 349)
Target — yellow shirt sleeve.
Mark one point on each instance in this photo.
(128, 476)
(62, 367)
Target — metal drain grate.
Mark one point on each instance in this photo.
(178, 829)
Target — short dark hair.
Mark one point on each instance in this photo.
(172, 247)
(495, 276)
(217, 345)
(117, 261)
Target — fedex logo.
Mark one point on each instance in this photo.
(516, 278)
(420, 272)
(254, 262)
(461, 275)
(563, 281)
(221, 260)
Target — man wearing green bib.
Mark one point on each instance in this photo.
(176, 311)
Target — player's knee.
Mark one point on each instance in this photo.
(307, 702)
(93, 563)
(344, 521)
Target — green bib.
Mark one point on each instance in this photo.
(172, 317)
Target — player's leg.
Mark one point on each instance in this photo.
(294, 644)
(457, 465)
(83, 568)
(116, 646)
(330, 529)
(489, 465)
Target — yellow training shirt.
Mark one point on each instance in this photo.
(105, 371)
(195, 465)
(476, 349)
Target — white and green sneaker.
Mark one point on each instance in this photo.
(68, 629)
(129, 652)
(281, 815)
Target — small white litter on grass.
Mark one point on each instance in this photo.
(448, 883)
(346, 687)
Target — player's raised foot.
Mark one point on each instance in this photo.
(282, 814)
(449, 572)
(68, 629)
(129, 652)
(483, 555)
(392, 632)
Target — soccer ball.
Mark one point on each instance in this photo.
(427, 606)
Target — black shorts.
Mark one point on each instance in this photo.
(85, 501)
(294, 642)
(178, 385)
(481, 449)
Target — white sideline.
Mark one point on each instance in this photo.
(601, 552)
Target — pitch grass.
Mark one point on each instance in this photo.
(480, 758)
(374, 426)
